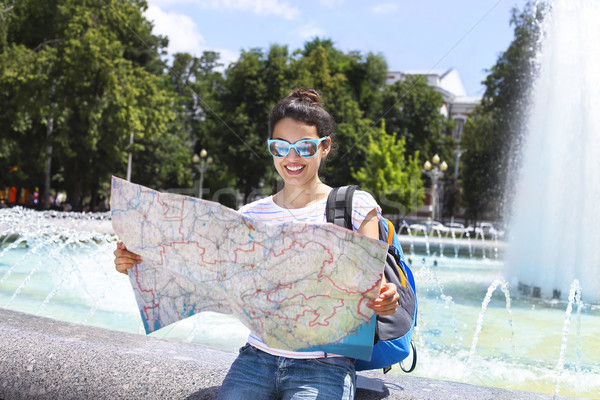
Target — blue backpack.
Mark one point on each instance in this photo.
(393, 333)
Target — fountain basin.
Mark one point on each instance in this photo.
(42, 358)
(69, 275)
(452, 247)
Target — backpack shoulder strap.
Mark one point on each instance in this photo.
(339, 206)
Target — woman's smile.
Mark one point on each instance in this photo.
(294, 169)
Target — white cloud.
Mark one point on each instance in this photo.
(226, 56)
(331, 3)
(309, 31)
(384, 8)
(180, 29)
(166, 3)
(183, 34)
(263, 7)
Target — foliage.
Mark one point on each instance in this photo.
(240, 124)
(494, 135)
(412, 108)
(477, 171)
(78, 78)
(387, 172)
(76, 98)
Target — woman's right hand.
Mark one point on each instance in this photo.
(124, 259)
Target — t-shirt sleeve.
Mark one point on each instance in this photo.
(362, 204)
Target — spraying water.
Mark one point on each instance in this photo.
(52, 268)
(574, 297)
(486, 301)
(556, 222)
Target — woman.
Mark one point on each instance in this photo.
(300, 132)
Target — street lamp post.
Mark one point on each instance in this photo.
(129, 158)
(459, 152)
(201, 163)
(434, 172)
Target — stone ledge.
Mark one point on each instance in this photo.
(42, 358)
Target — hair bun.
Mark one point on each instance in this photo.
(309, 95)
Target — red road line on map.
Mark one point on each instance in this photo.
(322, 275)
(312, 323)
(146, 308)
(289, 286)
(165, 204)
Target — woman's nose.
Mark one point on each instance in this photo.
(293, 154)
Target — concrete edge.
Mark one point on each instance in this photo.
(45, 358)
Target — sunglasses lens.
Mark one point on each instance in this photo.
(279, 148)
(306, 149)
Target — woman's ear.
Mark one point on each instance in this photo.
(326, 146)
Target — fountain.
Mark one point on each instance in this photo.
(59, 265)
(556, 220)
(49, 267)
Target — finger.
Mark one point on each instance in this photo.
(380, 305)
(385, 309)
(386, 312)
(127, 254)
(384, 304)
(123, 268)
(127, 260)
(388, 290)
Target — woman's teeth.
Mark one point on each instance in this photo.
(296, 168)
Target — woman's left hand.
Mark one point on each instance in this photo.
(387, 302)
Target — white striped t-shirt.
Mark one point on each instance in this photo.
(267, 211)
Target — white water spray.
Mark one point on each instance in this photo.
(486, 301)
(574, 298)
(556, 223)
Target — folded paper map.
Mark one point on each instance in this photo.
(296, 286)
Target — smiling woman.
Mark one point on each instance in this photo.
(299, 122)
(300, 133)
(300, 138)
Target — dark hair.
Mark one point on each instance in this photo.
(303, 105)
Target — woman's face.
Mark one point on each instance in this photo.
(296, 170)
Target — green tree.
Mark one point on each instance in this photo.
(198, 84)
(412, 109)
(479, 197)
(328, 70)
(244, 104)
(76, 81)
(390, 176)
(492, 159)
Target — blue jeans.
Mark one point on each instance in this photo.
(257, 375)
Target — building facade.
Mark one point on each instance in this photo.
(457, 106)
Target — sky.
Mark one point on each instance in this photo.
(412, 35)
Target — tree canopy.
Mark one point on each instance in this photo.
(76, 82)
(79, 80)
(387, 172)
(494, 134)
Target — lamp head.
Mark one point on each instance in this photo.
(436, 159)
(427, 165)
